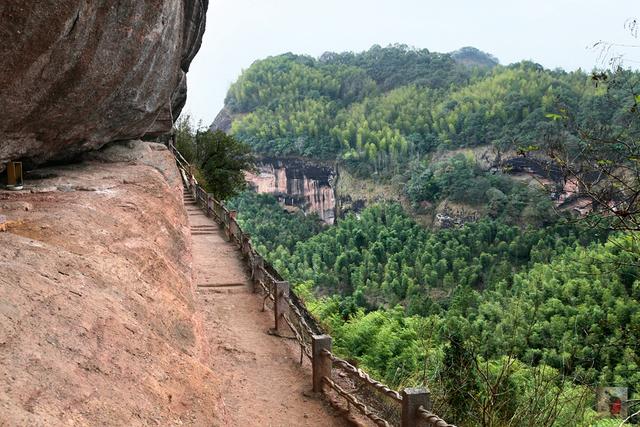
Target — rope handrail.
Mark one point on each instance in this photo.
(304, 348)
(307, 329)
(178, 155)
(364, 409)
(432, 418)
(359, 374)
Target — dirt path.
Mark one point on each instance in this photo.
(260, 378)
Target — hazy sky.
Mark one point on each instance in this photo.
(554, 33)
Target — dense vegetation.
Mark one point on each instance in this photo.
(511, 318)
(219, 160)
(261, 212)
(460, 179)
(469, 309)
(386, 105)
(300, 105)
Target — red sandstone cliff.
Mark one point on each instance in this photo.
(78, 74)
(97, 317)
(299, 184)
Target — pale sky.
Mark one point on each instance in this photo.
(554, 33)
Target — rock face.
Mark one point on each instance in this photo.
(298, 184)
(98, 324)
(77, 74)
(223, 121)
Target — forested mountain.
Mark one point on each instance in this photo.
(394, 113)
(387, 105)
(517, 314)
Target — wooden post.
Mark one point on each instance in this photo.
(14, 175)
(219, 212)
(11, 174)
(412, 399)
(230, 225)
(246, 244)
(281, 293)
(209, 205)
(214, 210)
(257, 272)
(321, 364)
(226, 224)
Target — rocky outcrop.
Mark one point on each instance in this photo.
(474, 58)
(98, 324)
(193, 30)
(223, 121)
(298, 184)
(78, 74)
(450, 214)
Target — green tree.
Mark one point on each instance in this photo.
(219, 160)
(223, 161)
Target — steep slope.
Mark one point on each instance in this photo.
(98, 323)
(78, 74)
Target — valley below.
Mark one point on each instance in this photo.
(448, 242)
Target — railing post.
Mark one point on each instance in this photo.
(257, 268)
(220, 212)
(192, 186)
(412, 399)
(281, 293)
(209, 205)
(245, 245)
(216, 210)
(229, 224)
(226, 223)
(321, 363)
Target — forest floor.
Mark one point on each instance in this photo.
(260, 377)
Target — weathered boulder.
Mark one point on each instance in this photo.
(77, 74)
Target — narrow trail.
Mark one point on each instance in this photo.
(261, 379)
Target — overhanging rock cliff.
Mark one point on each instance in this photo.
(78, 74)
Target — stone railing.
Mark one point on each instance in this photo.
(330, 374)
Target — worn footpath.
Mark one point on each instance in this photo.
(263, 383)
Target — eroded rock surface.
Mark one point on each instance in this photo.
(78, 74)
(98, 324)
(297, 183)
(223, 121)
